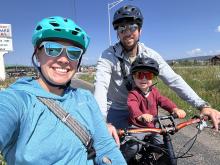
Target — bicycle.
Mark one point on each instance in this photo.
(148, 154)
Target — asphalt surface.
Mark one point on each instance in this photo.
(206, 149)
(77, 83)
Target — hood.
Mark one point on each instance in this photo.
(31, 86)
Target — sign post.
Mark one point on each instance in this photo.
(2, 66)
(5, 46)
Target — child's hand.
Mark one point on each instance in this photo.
(145, 118)
(179, 112)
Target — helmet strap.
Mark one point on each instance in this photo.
(149, 89)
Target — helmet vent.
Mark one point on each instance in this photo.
(57, 30)
(74, 32)
(65, 20)
(54, 24)
(124, 14)
(77, 29)
(39, 28)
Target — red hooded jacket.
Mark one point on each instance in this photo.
(138, 104)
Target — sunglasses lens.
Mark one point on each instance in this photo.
(74, 53)
(140, 75)
(121, 29)
(147, 75)
(53, 49)
(133, 27)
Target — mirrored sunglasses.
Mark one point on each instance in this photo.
(140, 75)
(54, 49)
(131, 28)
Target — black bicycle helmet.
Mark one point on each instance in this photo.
(128, 14)
(147, 64)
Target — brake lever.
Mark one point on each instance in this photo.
(203, 124)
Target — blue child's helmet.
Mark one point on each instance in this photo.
(129, 14)
(60, 28)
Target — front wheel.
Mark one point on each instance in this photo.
(163, 160)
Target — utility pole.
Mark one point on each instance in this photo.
(110, 6)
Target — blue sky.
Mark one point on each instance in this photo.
(174, 28)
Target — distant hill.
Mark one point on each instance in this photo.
(198, 58)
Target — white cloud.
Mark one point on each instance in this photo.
(214, 52)
(195, 52)
(199, 52)
(218, 29)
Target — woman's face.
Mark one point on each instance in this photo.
(57, 70)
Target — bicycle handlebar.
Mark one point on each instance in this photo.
(167, 129)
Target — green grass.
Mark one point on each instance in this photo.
(205, 81)
(88, 77)
(6, 83)
(2, 162)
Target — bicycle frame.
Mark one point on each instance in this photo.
(166, 130)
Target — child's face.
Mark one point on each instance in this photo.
(143, 79)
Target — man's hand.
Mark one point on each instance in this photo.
(113, 133)
(214, 115)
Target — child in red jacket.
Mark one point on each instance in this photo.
(143, 102)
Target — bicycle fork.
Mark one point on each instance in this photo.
(169, 146)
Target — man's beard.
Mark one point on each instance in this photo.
(129, 48)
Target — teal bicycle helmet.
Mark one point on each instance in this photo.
(60, 28)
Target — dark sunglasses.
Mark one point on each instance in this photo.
(131, 28)
(140, 75)
(54, 49)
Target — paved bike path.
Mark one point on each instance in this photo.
(206, 149)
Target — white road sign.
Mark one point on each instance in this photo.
(5, 30)
(6, 44)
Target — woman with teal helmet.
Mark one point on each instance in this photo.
(59, 28)
(30, 132)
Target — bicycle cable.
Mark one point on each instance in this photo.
(193, 139)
